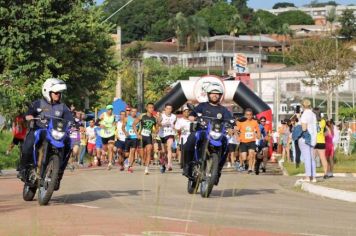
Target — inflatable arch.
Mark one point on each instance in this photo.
(235, 91)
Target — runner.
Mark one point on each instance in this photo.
(249, 132)
(120, 140)
(232, 148)
(262, 147)
(183, 127)
(19, 132)
(75, 140)
(91, 139)
(131, 138)
(107, 133)
(147, 121)
(167, 133)
(98, 145)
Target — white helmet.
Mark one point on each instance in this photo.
(52, 85)
(215, 88)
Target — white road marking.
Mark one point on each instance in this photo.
(173, 219)
(307, 234)
(86, 206)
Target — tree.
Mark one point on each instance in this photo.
(284, 30)
(348, 24)
(270, 22)
(218, 17)
(236, 25)
(189, 30)
(47, 38)
(331, 18)
(242, 8)
(283, 5)
(326, 63)
(295, 18)
(316, 3)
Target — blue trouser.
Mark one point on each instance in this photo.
(307, 153)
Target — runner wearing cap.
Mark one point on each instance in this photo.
(107, 132)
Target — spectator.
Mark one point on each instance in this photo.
(320, 141)
(83, 145)
(308, 121)
(295, 146)
(285, 140)
(329, 148)
(19, 132)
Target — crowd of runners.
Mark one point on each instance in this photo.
(157, 138)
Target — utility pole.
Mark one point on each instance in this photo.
(337, 88)
(259, 69)
(140, 97)
(118, 91)
(207, 56)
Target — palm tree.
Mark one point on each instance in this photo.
(284, 30)
(179, 24)
(197, 28)
(331, 18)
(236, 25)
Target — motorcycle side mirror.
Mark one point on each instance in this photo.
(39, 110)
(199, 114)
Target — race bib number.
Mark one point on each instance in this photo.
(73, 134)
(121, 134)
(132, 132)
(249, 135)
(168, 131)
(145, 132)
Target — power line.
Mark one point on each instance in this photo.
(117, 11)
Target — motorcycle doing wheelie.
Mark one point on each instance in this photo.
(47, 159)
(210, 151)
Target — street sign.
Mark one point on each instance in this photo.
(240, 63)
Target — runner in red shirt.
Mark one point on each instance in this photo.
(18, 131)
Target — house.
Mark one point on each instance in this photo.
(215, 52)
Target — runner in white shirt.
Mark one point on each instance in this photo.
(91, 138)
(232, 148)
(120, 138)
(167, 133)
(183, 127)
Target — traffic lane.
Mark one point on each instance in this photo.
(251, 202)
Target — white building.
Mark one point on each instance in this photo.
(315, 12)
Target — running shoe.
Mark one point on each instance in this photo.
(146, 170)
(109, 166)
(163, 169)
(228, 165)
(122, 168)
(130, 169)
(170, 168)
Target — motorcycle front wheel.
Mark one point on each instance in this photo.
(48, 181)
(210, 175)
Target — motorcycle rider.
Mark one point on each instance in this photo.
(50, 104)
(211, 108)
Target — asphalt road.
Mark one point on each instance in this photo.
(101, 202)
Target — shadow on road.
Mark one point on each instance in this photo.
(240, 192)
(90, 196)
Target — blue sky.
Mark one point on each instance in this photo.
(267, 4)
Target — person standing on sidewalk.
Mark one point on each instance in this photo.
(320, 141)
(309, 126)
(329, 148)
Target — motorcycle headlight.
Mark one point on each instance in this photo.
(215, 135)
(57, 134)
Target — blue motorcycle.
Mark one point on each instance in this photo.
(210, 151)
(47, 159)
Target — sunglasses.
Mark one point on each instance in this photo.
(263, 121)
(56, 93)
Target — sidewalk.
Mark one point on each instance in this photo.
(339, 188)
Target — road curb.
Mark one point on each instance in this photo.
(332, 193)
(284, 170)
(335, 175)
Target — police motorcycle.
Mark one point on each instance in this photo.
(210, 150)
(47, 159)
